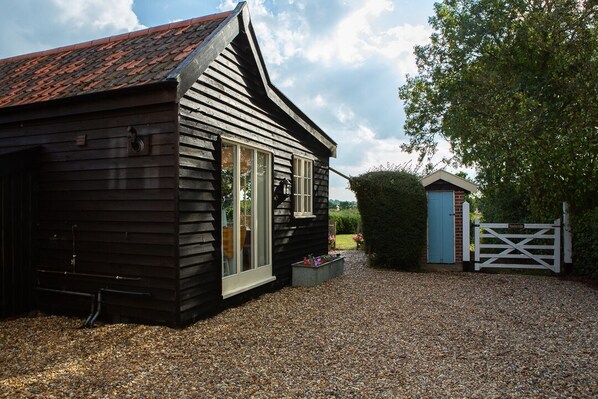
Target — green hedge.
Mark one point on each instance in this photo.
(585, 243)
(347, 220)
(393, 210)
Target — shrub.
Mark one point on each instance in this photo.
(585, 243)
(393, 210)
(347, 220)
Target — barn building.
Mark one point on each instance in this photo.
(156, 176)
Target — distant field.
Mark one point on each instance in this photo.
(345, 242)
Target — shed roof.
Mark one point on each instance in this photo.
(179, 52)
(449, 178)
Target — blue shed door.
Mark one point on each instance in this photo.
(441, 227)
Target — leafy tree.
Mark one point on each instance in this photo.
(511, 84)
(505, 203)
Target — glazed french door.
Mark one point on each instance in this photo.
(246, 218)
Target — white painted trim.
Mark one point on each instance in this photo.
(246, 280)
(247, 287)
(524, 249)
(302, 215)
(450, 178)
(454, 230)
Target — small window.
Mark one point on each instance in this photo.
(302, 187)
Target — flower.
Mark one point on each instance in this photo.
(318, 260)
(358, 238)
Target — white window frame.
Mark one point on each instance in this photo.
(245, 280)
(303, 200)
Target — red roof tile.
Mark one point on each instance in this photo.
(126, 60)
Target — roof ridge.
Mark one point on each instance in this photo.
(121, 36)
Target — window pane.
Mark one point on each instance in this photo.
(302, 186)
(246, 168)
(263, 215)
(228, 200)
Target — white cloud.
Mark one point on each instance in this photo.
(287, 82)
(227, 5)
(368, 151)
(359, 38)
(319, 101)
(34, 25)
(344, 114)
(100, 15)
(279, 35)
(373, 151)
(396, 45)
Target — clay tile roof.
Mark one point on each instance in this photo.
(130, 59)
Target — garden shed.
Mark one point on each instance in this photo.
(446, 193)
(156, 176)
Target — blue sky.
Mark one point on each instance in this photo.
(340, 61)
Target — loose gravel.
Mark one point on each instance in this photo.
(370, 333)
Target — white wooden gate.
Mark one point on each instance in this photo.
(518, 246)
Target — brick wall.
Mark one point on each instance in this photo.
(459, 199)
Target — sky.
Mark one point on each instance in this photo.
(340, 61)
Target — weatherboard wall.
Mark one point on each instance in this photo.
(121, 208)
(228, 102)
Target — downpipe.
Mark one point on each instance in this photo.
(96, 300)
(75, 293)
(89, 322)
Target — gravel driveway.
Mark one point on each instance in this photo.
(370, 333)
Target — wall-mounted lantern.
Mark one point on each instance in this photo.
(282, 192)
(286, 187)
(137, 145)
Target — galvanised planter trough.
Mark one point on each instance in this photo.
(309, 275)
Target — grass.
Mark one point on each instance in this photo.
(345, 242)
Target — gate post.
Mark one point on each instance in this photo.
(567, 240)
(466, 240)
(476, 244)
(557, 246)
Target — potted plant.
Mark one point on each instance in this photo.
(314, 270)
(358, 238)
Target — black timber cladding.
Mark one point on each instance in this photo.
(228, 102)
(119, 209)
(18, 216)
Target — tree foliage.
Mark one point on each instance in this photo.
(511, 84)
(585, 243)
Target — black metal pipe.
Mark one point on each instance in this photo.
(87, 294)
(125, 292)
(96, 300)
(93, 311)
(92, 318)
(76, 293)
(108, 276)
